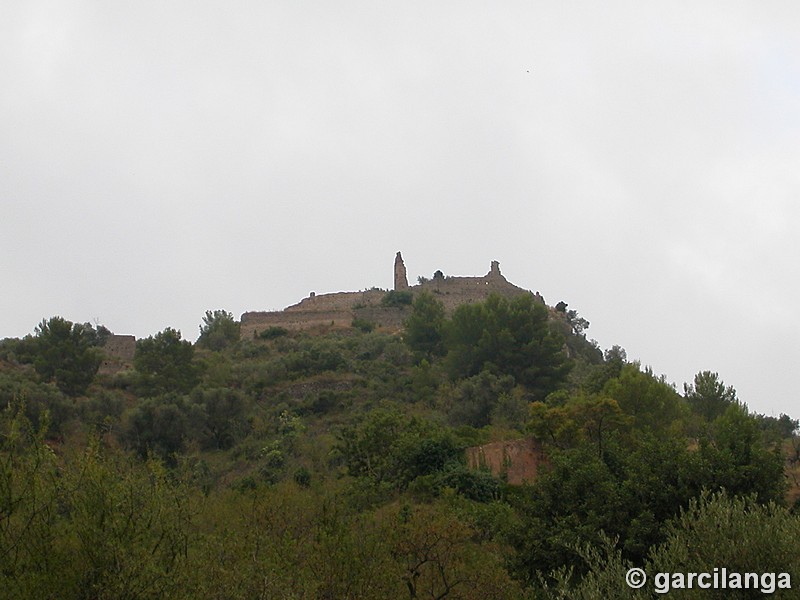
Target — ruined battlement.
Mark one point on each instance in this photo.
(337, 301)
(340, 308)
(454, 291)
(118, 354)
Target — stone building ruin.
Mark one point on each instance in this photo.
(118, 354)
(339, 309)
(400, 276)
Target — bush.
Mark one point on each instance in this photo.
(424, 328)
(37, 399)
(315, 356)
(63, 353)
(217, 416)
(218, 331)
(103, 408)
(398, 298)
(480, 486)
(158, 426)
(302, 477)
(716, 530)
(270, 333)
(164, 362)
(363, 325)
(475, 400)
(392, 449)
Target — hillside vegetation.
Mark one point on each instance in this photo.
(330, 464)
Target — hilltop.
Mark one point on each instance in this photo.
(387, 310)
(458, 437)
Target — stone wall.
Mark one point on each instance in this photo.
(118, 354)
(338, 301)
(455, 291)
(518, 461)
(339, 308)
(253, 323)
(336, 309)
(392, 318)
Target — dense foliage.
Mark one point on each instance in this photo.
(331, 464)
(63, 353)
(218, 331)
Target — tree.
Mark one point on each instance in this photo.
(578, 324)
(608, 368)
(425, 326)
(715, 529)
(64, 353)
(652, 402)
(511, 337)
(581, 420)
(157, 426)
(475, 398)
(128, 527)
(389, 449)
(164, 362)
(97, 335)
(708, 396)
(739, 533)
(780, 428)
(28, 500)
(218, 331)
(217, 416)
(439, 558)
(737, 458)
(628, 493)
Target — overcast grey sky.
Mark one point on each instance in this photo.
(637, 160)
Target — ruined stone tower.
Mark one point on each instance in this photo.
(400, 276)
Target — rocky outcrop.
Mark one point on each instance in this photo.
(518, 461)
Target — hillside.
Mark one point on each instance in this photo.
(331, 460)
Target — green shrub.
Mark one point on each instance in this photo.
(270, 333)
(398, 298)
(218, 331)
(164, 362)
(363, 325)
(63, 353)
(302, 477)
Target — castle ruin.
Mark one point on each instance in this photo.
(339, 309)
(118, 352)
(400, 276)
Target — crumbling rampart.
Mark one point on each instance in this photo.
(337, 310)
(340, 308)
(337, 301)
(455, 291)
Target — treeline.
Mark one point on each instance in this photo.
(330, 464)
(99, 524)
